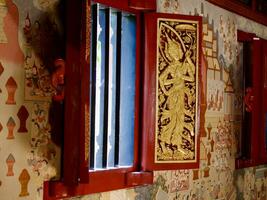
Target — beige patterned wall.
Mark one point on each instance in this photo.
(27, 154)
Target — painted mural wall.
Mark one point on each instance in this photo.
(30, 35)
(29, 31)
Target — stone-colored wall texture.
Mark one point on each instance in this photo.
(30, 35)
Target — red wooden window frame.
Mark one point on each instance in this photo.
(263, 103)
(257, 146)
(76, 178)
(149, 110)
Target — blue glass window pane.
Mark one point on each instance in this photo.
(127, 96)
(112, 89)
(100, 83)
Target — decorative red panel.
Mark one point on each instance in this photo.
(172, 82)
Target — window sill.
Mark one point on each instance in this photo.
(244, 163)
(99, 181)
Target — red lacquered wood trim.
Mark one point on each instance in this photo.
(71, 150)
(100, 181)
(138, 100)
(241, 9)
(244, 163)
(120, 5)
(149, 93)
(85, 89)
(263, 103)
(244, 36)
(143, 4)
(255, 136)
(139, 178)
(256, 78)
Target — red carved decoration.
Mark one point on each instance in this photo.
(248, 99)
(23, 116)
(58, 79)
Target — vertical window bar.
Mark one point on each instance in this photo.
(127, 89)
(94, 23)
(112, 89)
(106, 89)
(100, 89)
(118, 80)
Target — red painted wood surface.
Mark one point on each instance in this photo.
(257, 146)
(149, 93)
(244, 36)
(85, 88)
(75, 163)
(100, 181)
(143, 4)
(263, 103)
(71, 149)
(130, 5)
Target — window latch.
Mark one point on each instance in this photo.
(248, 99)
(58, 79)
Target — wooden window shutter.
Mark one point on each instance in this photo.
(172, 92)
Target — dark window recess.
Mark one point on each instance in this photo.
(112, 86)
(247, 116)
(246, 2)
(262, 6)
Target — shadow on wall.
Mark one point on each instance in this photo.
(46, 35)
(45, 41)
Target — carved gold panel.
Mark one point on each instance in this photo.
(177, 91)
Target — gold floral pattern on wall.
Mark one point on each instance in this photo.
(177, 80)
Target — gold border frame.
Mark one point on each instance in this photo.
(197, 91)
